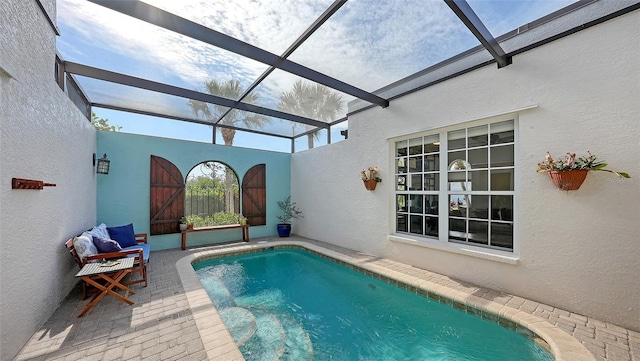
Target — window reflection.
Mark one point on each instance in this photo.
(502, 235)
(431, 163)
(479, 158)
(415, 203)
(415, 183)
(415, 146)
(401, 223)
(502, 208)
(431, 182)
(431, 204)
(431, 226)
(502, 180)
(416, 224)
(415, 164)
(502, 156)
(502, 132)
(479, 208)
(401, 203)
(477, 136)
(479, 232)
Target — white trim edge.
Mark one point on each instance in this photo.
(457, 249)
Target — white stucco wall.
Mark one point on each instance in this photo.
(43, 136)
(577, 250)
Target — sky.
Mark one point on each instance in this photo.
(367, 43)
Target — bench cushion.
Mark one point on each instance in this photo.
(146, 250)
(123, 235)
(106, 245)
(83, 244)
(100, 231)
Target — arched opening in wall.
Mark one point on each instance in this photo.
(212, 195)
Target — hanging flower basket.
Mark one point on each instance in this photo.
(568, 180)
(370, 184)
(370, 177)
(569, 173)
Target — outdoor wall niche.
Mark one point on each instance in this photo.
(212, 196)
(208, 196)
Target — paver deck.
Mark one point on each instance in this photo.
(161, 324)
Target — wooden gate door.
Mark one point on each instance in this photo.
(167, 197)
(254, 195)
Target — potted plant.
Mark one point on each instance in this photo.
(568, 174)
(370, 177)
(183, 223)
(289, 211)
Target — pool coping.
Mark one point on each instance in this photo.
(219, 344)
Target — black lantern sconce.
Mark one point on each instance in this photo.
(103, 165)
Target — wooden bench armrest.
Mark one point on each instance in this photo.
(141, 237)
(120, 254)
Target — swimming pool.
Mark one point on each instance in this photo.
(292, 305)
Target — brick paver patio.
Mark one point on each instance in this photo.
(160, 325)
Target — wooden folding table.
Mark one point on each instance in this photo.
(112, 273)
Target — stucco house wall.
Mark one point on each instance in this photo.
(577, 250)
(43, 136)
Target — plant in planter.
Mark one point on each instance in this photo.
(568, 174)
(183, 223)
(370, 177)
(289, 211)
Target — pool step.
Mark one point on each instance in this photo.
(218, 292)
(240, 322)
(267, 299)
(268, 341)
(298, 344)
(260, 330)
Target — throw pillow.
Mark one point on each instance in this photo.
(123, 235)
(84, 246)
(105, 245)
(100, 231)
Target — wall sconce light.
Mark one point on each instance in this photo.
(103, 165)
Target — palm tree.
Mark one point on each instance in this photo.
(231, 90)
(313, 101)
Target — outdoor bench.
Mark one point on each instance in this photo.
(140, 252)
(244, 227)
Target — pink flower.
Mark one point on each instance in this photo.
(570, 159)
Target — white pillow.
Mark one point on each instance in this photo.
(100, 231)
(83, 244)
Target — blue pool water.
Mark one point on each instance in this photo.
(289, 304)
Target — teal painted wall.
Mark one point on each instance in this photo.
(123, 194)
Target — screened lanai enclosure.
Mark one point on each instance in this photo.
(277, 75)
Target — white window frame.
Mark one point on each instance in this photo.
(442, 242)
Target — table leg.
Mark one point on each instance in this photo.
(108, 289)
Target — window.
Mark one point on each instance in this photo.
(457, 185)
